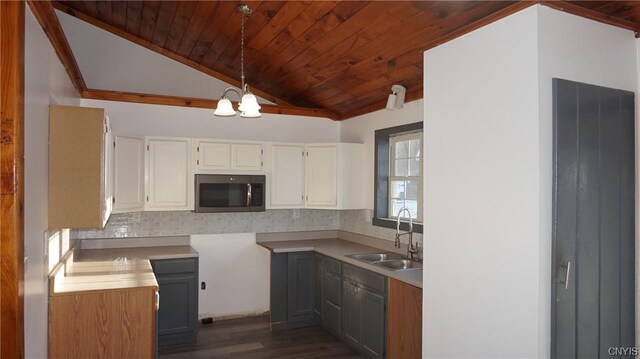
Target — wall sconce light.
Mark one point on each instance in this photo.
(396, 97)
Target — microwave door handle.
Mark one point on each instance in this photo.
(248, 194)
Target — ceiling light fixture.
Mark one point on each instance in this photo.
(396, 97)
(248, 105)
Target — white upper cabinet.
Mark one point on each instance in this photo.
(334, 176)
(322, 176)
(246, 157)
(169, 174)
(287, 176)
(213, 156)
(128, 183)
(108, 170)
(79, 168)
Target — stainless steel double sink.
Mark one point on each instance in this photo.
(388, 260)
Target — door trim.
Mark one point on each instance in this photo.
(12, 22)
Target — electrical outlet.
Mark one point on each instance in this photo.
(203, 285)
(296, 213)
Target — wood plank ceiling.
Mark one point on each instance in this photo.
(340, 56)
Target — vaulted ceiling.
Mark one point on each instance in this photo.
(338, 56)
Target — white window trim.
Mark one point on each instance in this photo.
(416, 135)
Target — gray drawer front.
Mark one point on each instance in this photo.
(332, 266)
(331, 319)
(332, 289)
(173, 266)
(365, 277)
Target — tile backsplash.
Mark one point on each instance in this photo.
(356, 221)
(151, 224)
(155, 224)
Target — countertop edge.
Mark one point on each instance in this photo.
(312, 248)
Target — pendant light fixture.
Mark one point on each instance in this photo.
(248, 105)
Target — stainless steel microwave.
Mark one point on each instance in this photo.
(229, 193)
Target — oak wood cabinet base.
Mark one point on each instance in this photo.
(103, 324)
(404, 321)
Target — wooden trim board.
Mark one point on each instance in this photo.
(12, 16)
(46, 16)
(198, 103)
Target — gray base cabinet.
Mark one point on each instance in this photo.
(178, 312)
(349, 302)
(292, 290)
(364, 310)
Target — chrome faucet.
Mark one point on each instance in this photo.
(411, 248)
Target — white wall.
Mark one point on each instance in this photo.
(236, 271)
(362, 129)
(158, 120)
(577, 49)
(46, 82)
(481, 193)
(109, 62)
(489, 175)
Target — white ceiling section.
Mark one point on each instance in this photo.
(109, 62)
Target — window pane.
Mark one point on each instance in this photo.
(396, 204)
(414, 148)
(413, 208)
(412, 190)
(402, 149)
(414, 167)
(402, 168)
(397, 189)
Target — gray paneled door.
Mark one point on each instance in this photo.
(593, 221)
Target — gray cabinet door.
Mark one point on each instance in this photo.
(352, 313)
(301, 286)
(177, 317)
(317, 295)
(178, 309)
(373, 324)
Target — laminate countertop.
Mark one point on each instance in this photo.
(340, 249)
(112, 268)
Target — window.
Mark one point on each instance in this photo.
(405, 176)
(398, 176)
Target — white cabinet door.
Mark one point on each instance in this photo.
(321, 176)
(128, 182)
(108, 171)
(246, 157)
(213, 156)
(287, 176)
(170, 181)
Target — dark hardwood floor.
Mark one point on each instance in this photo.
(250, 338)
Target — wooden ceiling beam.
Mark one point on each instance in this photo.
(46, 17)
(593, 15)
(153, 99)
(160, 50)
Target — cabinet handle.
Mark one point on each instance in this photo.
(157, 301)
(566, 275)
(248, 194)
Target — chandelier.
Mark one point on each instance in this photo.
(248, 105)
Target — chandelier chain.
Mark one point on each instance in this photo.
(242, 51)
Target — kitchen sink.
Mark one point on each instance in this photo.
(376, 257)
(403, 264)
(388, 260)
